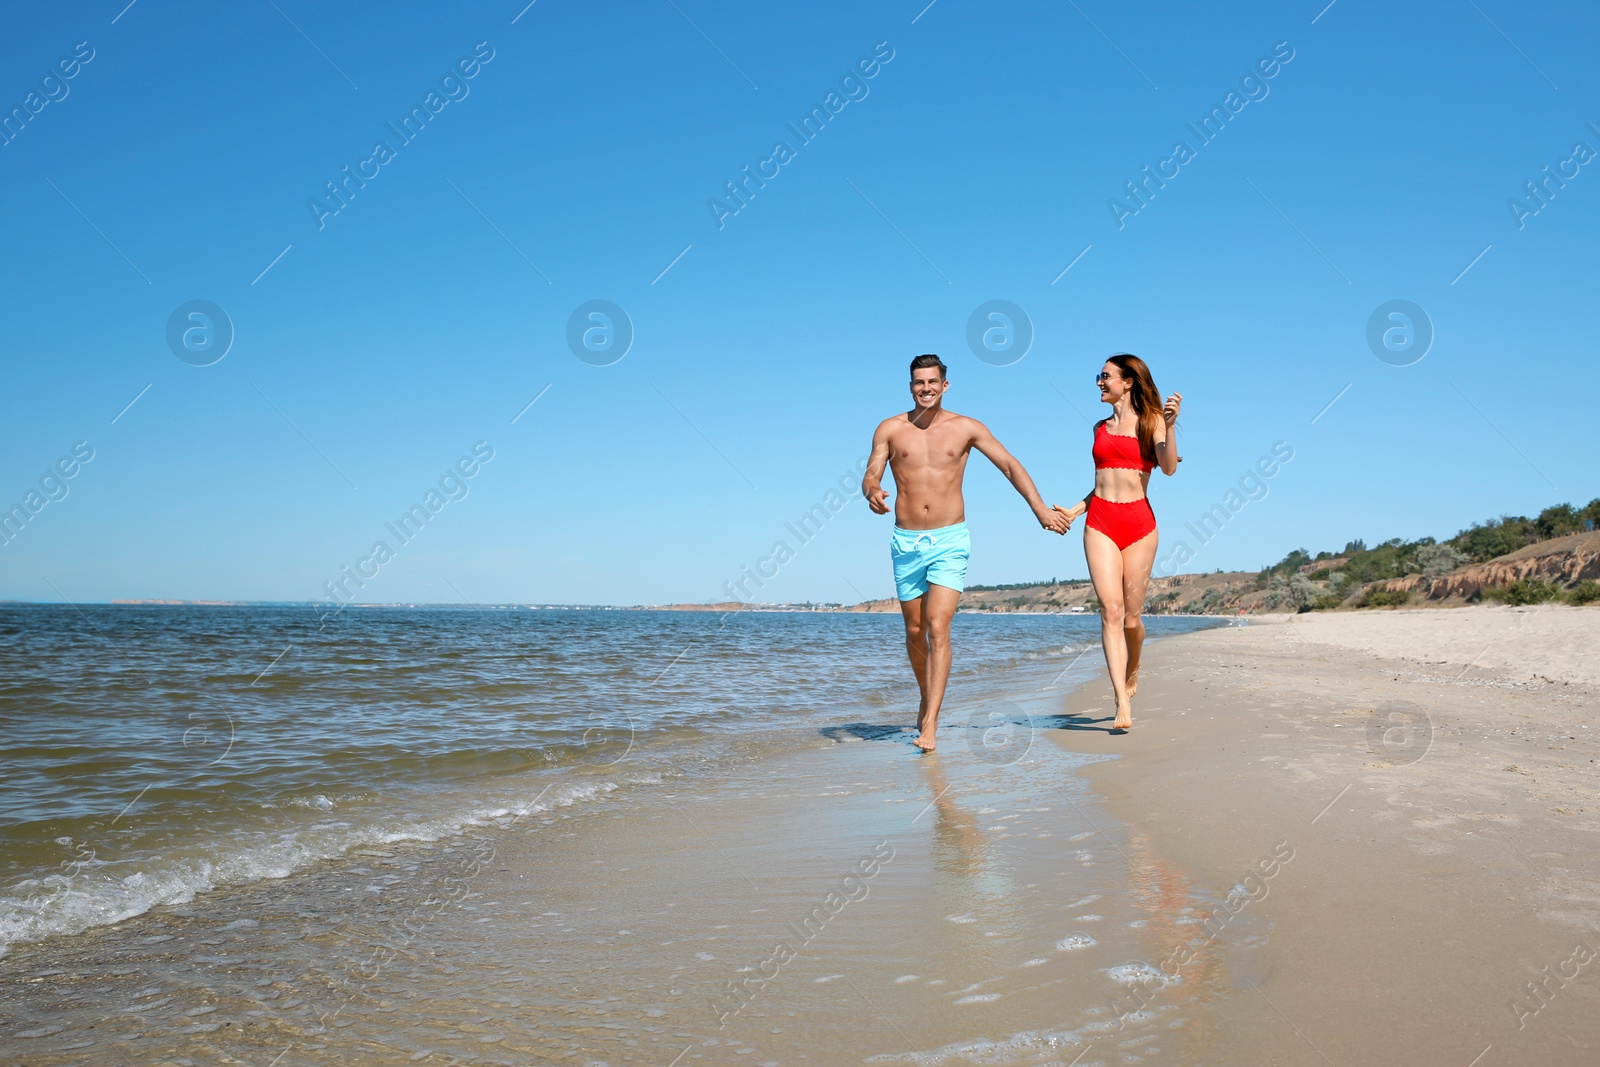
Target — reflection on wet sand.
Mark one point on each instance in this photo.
(609, 932)
(973, 892)
(958, 842)
(1184, 964)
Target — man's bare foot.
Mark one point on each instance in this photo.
(924, 741)
(1124, 719)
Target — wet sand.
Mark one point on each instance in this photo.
(1445, 820)
(1306, 853)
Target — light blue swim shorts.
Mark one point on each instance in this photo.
(922, 557)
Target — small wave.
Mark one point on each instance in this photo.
(1025, 1046)
(321, 801)
(103, 893)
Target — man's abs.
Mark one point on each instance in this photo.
(928, 496)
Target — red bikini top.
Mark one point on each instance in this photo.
(1117, 450)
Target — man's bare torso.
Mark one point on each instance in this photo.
(928, 465)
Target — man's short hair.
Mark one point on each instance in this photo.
(928, 360)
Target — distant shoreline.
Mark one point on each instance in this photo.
(1561, 568)
(864, 608)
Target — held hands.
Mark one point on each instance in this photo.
(1054, 519)
(1067, 516)
(878, 500)
(1169, 411)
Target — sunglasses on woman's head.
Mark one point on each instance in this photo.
(1103, 376)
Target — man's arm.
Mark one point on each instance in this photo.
(984, 441)
(872, 482)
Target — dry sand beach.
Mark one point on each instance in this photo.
(1347, 839)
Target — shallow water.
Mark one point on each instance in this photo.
(152, 753)
(845, 901)
(302, 811)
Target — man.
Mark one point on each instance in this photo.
(927, 449)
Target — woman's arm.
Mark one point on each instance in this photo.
(1167, 448)
(1081, 506)
(1077, 509)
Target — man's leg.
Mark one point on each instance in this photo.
(939, 607)
(1137, 559)
(914, 612)
(1105, 573)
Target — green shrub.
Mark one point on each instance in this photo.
(1558, 520)
(1391, 559)
(1383, 598)
(1288, 595)
(1585, 592)
(1524, 591)
(1495, 537)
(1432, 560)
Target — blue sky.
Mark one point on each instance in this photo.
(180, 163)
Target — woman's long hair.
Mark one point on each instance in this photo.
(1146, 401)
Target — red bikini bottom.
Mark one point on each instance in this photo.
(1123, 523)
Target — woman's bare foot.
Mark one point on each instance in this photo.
(1124, 719)
(1133, 680)
(924, 741)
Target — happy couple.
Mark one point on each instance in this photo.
(926, 449)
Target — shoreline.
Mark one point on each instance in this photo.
(1443, 819)
(1253, 875)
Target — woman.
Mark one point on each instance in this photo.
(1119, 537)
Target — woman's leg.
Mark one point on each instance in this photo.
(1137, 559)
(1105, 573)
